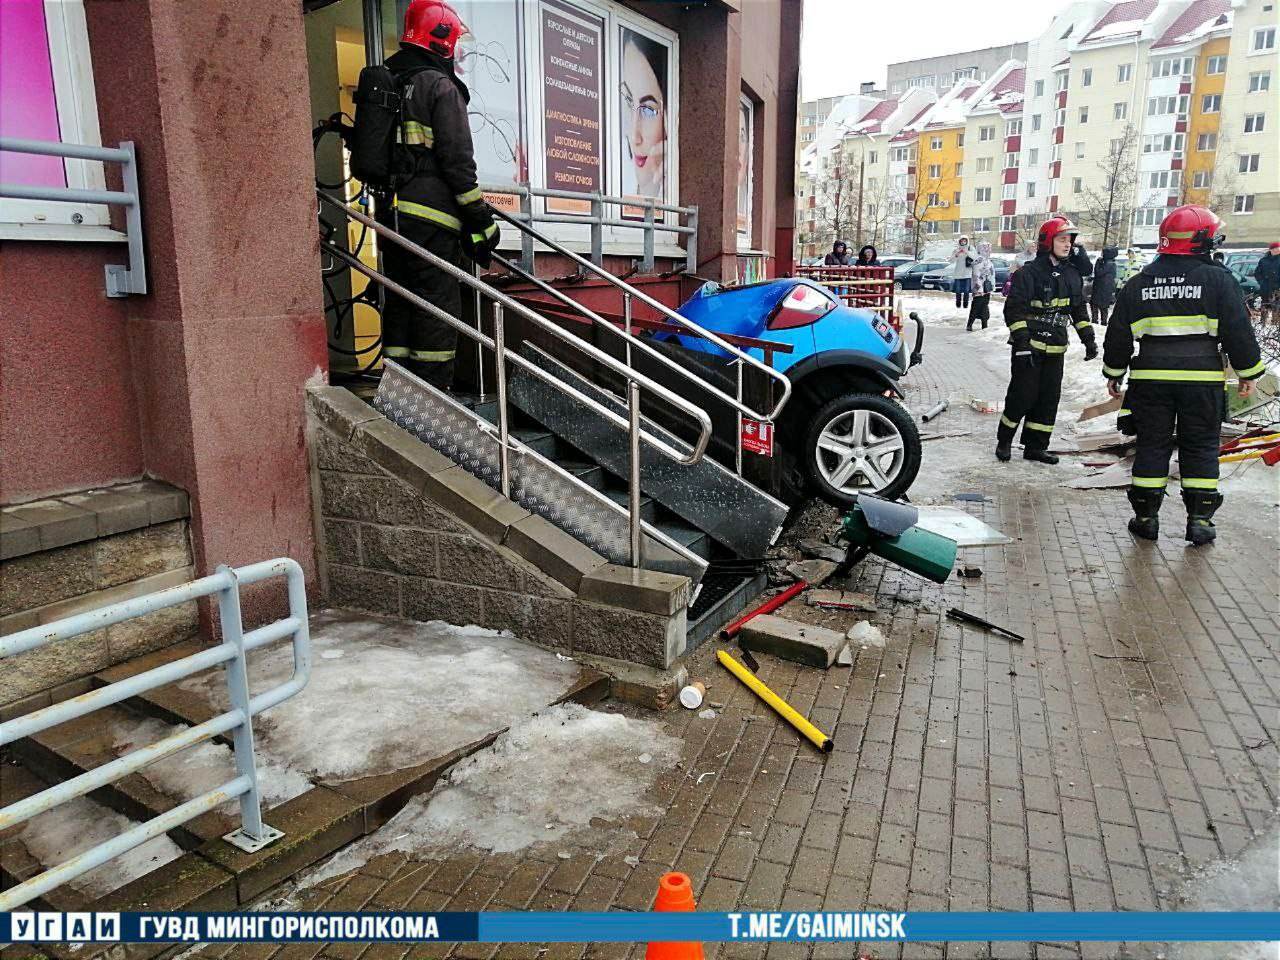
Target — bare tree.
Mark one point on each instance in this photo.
(1219, 193)
(927, 196)
(1108, 206)
(839, 197)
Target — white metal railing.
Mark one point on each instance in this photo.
(253, 834)
(122, 279)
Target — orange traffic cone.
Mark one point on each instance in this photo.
(675, 895)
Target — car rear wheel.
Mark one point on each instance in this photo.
(861, 443)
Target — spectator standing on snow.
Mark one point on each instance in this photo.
(867, 257)
(983, 277)
(961, 264)
(1103, 294)
(839, 255)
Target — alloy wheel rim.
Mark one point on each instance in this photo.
(860, 451)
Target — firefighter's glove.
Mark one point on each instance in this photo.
(1091, 350)
(479, 232)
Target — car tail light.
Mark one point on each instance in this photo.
(799, 308)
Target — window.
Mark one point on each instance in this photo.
(956, 198)
(1084, 114)
(1211, 103)
(1055, 153)
(933, 199)
(1148, 216)
(1009, 222)
(1053, 188)
(982, 195)
(1207, 141)
(1244, 203)
(1080, 150)
(746, 177)
(985, 164)
(981, 224)
(1064, 79)
(901, 154)
(935, 170)
(1086, 77)
(1010, 160)
(1031, 188)
(986, 133)
(1124, 73)
(1215, 65)
(1163, 179)
(1249, 162)
(1117, 147)
(1033, 156)
(931, 226)
(1060, 118)
(1200, 179)
(935, 143)
(1254, 122)
(960, 139)
(1161, 106)
(953, 226)
(1039, 88)
(873, 157)
(959, 170)
(1264, 38)
(1172, 66)
(1013, 128)
(1119, 110)
(1009, 191)
(1260, 82)
(1077, 184)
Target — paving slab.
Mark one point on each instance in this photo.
(802, 642)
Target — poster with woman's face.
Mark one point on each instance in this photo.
(643, 85)
(745, 150)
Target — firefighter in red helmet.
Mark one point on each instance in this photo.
(439, 205)
(1183, 310)
(1046, 297)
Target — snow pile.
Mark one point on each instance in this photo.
(1246, 883)
(1121, 28)
(401, 694)
(865, 635)
(202, 768)
(544, 780)
(71, 828)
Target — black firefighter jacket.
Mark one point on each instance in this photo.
(437, 136)
(1182, 312)
(1045, 298)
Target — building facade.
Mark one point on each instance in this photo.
(941, 73)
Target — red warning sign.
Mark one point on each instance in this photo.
(757, 437)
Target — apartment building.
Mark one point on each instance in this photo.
(992, 138)
(1249, 126)
(942, 73)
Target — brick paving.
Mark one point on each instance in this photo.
(1129, 742)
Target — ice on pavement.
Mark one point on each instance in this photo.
(203, 767)
(402, 693)
(1247, 882)
(71, 828)
(544, 781)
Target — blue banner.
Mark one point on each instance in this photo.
(572, 927)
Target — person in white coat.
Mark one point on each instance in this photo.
(983, 277)
(961, 279)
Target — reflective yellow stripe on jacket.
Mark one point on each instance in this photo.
(423, 212)
(417, 134)
(1055, 302)
(471, 196)
(1048, 347)
(1174, 326)
(1182, 376)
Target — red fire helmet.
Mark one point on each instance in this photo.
(1050, 229)
(433, 25)
(1191, 231)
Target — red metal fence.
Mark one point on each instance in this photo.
(869, 288)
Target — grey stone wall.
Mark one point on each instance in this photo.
(406, 532)
(46, 585)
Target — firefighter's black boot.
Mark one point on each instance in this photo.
(1145, 522)
(1040, 456)
(1201, 506)
(1004, 451)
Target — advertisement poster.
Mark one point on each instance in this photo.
(645, 79)
(746, 148)
(572, 72)
(28, 108)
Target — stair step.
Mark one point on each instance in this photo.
(648, 508)
(691, 538)
(538, 439)
(592, 474)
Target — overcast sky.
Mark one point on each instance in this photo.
(848, 41)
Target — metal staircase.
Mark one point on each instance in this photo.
(563, 435)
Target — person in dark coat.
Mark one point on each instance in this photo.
(867, 257)
(1104, 285)
(1267, 273)
(839, 255)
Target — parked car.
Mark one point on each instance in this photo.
(911, 277)
(842, 433)
(1243, 273)
(941, 279)
(897, 260)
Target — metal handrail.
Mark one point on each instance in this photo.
(122, 279)
(635, 380)
(666, 311)
(253, 834)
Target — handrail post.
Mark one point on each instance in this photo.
(626, 320)
(479, 308)
(253, 834)
(526, 239)
(633, 513)
(646, 264)
(597, 229)
(691, 243)
(500, 374)
(738, 440)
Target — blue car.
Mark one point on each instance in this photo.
(842, 432)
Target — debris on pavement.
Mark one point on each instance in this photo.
(964, 528)
(986, 406)
(841, 600)
(790, 640)
(814, 572)
(971, 573)
(1110, 405)
(955, 613)
(780, 706)
(691, 696)
(1103, 440)
(845, 657)
(824, 551)
(707, 714)
(866, 634)
(935, 411)
(925, 437)
(971, 497)
(773, 603)
(1118, 474)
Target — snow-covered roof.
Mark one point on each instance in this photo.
(951, 109)
(873, 119)
(1199, 20)
(1122, 20)
(909, 129)
(1003, 91)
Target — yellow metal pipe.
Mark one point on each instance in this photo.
(780, 706)
(1248, 455)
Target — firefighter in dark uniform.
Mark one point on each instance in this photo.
(1045, 298)
(439, 206)
(1183, 310)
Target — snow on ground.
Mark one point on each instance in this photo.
(71, 828)
(398, 693)
(544, 781)
(1248, 882)
(202, 768)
